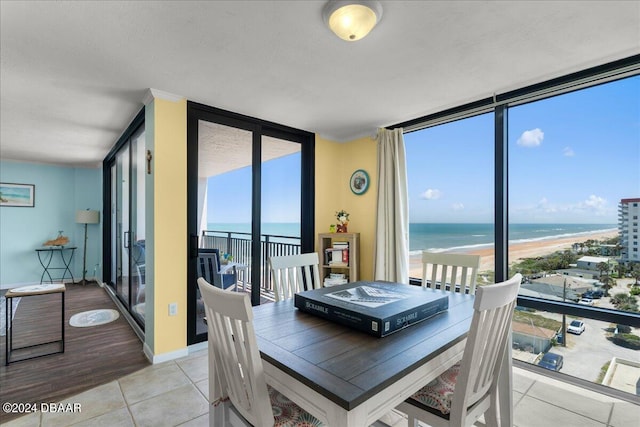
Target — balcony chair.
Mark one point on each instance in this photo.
(235, 367)
(209, 269)
(446, 268)
(469, 389)
(294, 273)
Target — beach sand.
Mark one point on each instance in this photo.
(518, 251)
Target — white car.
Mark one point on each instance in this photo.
(576, 327)
(586, 301)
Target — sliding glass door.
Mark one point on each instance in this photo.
(248, 198)
(126, 229)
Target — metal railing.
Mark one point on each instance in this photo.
(238, 244)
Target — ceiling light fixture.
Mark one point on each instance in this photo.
(352, 20)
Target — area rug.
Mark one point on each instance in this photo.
(3, 317)
(93, 318)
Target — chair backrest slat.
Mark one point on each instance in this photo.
(486, 344)
(291, 273)
(235, 367)
(453, 270)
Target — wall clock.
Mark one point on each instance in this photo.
(359, 182)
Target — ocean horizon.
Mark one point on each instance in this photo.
(441, 237)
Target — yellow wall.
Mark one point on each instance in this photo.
(335, 162)
(170, 225)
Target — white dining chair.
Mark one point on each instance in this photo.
(235, 366)
(294, 273)
(458, 271)
(469, 389)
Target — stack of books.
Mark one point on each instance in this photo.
(334, 279)
(338, 255)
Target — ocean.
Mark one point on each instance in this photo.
(439, 237)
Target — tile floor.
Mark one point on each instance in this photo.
(174, 393)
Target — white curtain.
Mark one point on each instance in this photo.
(392, 222)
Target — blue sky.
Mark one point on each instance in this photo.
(572, 158)
(280, 193)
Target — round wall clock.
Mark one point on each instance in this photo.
(359, 182)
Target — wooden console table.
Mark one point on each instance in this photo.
(28, 291)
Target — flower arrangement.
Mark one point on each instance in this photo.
(343, 219)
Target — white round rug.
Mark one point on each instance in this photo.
(93, 318)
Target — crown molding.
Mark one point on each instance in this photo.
(160, 94)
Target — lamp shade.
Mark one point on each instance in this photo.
(352, 20)
(87, 217)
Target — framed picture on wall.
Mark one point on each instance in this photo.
(359, 182)
(21, 195)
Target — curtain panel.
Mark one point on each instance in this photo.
(392, 213)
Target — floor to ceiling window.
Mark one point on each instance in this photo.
(450, 184)
(572, 159)
(565, 191)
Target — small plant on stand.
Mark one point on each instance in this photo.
(343, 220)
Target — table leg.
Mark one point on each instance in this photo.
(66, 265)
(45, 267)
(6, 324)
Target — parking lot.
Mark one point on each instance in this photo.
(585, 354)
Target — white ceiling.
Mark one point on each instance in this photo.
(74, 74)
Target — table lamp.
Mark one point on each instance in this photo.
(86, 217)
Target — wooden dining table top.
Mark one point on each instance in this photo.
(348, 366)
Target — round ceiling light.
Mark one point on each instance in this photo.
(352, 20)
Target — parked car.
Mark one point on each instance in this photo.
(585, 301)
(576, 327)
(595, 294)
(551, 361)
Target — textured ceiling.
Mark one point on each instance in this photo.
(74, 74)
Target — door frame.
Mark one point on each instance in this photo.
(259, 128)
(108, 161)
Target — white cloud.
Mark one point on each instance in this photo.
(531, 138)
(457, 206)
(568, 152)
(594, 202)
(431, 194)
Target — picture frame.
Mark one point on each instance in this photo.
(17, 195)
(359, 182)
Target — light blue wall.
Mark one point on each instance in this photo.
(59, 192)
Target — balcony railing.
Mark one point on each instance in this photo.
(239, 245)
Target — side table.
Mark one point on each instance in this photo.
(224, 268)
(28, 291)
(45, 256)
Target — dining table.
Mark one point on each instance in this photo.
(347, 378)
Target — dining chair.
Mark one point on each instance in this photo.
(459, 271)
(469, 389)
(209, 269)
(294, 273)
(235, 366)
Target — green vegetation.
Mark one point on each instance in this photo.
(539, 321)
(603, 372)
(625, 302)
(626, 340)
(555, 261)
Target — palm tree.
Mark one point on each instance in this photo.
(635, 272)
(602, 267)
(607, 284)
